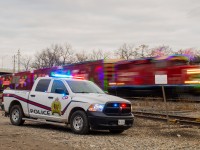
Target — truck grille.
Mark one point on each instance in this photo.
(117, 109)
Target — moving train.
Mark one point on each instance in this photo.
(124, 78)
(99, 71)
(138, 77)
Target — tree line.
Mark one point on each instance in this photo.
(60, 55)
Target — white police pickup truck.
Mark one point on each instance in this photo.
(80, 103)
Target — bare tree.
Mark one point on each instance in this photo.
(81, 57)
(191, 53)
(188, 51)
(38, 61)
(56, 55)
(67, 54)
(108, 55)
(26, 62)
(196, 60)
(142, 51)
(126, 52)
(98, 54)
(161, 51)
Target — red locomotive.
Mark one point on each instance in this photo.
(137, 77)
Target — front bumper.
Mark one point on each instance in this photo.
(100, 121)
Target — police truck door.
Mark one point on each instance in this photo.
(59, 99)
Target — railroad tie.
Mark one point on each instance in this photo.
(197, 120)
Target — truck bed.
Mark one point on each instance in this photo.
(24, 93)
(10, 95)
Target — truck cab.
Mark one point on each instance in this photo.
(79, 103)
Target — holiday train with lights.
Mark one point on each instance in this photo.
(99, 71)
(130, 78)
(137, 77)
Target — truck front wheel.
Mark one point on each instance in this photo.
(16, 115)
(79, 122)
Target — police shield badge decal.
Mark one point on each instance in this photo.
(56, 107)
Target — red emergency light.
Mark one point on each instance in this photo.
(123, 105)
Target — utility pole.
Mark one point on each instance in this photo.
(14, 64)
(18, 55)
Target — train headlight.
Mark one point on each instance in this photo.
(96, 107)
(192, 82)
(193, 71)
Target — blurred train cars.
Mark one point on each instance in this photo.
(135, 78)
(100, 72)
(127, 78)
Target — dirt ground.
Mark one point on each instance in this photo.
(145, 134)
(25, 138)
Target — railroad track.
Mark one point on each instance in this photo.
(172, 118)
(185, 100)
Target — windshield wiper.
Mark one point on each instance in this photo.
(82, 92)
(97, 92)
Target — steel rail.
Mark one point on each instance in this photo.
(184, 100)
(172, 118)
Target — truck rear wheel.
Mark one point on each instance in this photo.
(79, 122)
(16, 115)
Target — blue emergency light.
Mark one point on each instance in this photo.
(115, 105)
(60, 75)
(65, 74)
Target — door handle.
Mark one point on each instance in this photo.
(32, 95)
(50, 97)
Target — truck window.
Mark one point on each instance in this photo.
(42, 85)
(84, 87)
(57, 84)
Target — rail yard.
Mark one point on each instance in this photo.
(159, 123)
(148, 132)
(127, 78)
(100, 75)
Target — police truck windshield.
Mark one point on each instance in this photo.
(84, 87)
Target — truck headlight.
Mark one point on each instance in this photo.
(96, 107)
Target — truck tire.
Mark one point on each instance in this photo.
(16, 115)
(116, 131)
(79, 122)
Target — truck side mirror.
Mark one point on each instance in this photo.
(61, 91)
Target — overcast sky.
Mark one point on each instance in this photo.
(31, 25)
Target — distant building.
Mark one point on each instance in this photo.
(5, 71)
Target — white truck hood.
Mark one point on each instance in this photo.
(98, 98)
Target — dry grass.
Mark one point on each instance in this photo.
(159, 105)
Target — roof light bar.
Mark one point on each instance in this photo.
(53, 74)
(61, 75)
